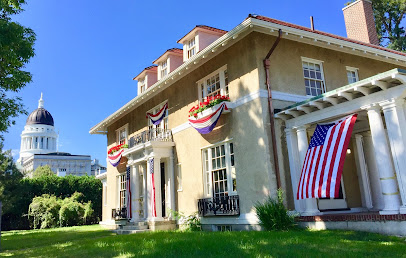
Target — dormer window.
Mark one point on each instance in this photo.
(191, 48)
(164, 68)
(142, 85)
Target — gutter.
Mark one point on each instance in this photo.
(267, 64)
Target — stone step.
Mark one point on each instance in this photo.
(127, 232)
(133, 227)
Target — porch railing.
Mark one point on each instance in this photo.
(155, 134)
(118, 213)
(219, 206)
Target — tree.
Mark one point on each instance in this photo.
(16, 49)
(43, 171)
(389, 15)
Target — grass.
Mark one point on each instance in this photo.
(93, 241)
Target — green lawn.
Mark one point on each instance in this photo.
(93, 241)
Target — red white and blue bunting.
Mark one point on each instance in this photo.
(115, 158)
(157, 118)
(206, 125)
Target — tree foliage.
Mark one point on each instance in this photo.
(16, 49)
(389, 15)
(43, 171)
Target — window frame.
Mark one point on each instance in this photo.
(122, 198)
(223, 79)
(124, 127)
(141, 83)
(189, 48)
(323, 80)
(164, 124)
(164, 69)
(207, 170)
(352, 69)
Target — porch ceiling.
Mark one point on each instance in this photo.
(347, 99)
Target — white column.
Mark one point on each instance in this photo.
(396, 125)
(147, 198)
(135, 198)
(303, 145)
(158, 193)
(171, 184)
(32, 142)
(291, 142)
(363, 172)
(384, 162)
(145, 189)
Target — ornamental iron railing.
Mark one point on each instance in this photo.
(118, 213)
(154, 134)
(219, 206)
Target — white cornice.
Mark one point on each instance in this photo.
(234, 35)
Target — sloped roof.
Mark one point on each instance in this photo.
(205, 27)
(152, 68)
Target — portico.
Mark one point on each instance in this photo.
(377, 156)
(152, 178)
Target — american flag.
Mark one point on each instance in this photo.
(153, 204)
(323, 164)
(128, 187)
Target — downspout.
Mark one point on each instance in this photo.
(267, 64)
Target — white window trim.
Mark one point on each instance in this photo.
(208, 193)
(118, 191)
(159, 106)
(179, 177)
(319, 62)
(219, 71)
(126, 134)
(352, 69)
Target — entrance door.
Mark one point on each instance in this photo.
(163, 189)
(334, 203)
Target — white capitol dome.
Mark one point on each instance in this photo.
(39, 136)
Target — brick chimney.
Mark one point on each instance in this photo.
(360, 23)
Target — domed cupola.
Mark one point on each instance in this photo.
(40, 116)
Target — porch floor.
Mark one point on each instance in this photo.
(373, 216)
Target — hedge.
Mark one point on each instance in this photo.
(19, 194)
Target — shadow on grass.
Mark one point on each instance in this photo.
(241, 244)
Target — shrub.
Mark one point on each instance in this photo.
(189, 223)
(44, 211)
(273, 215)
(73, 212)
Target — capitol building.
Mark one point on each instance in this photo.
(39, 142)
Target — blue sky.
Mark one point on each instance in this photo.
(87, 53)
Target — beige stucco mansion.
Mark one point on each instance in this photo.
(315, 77)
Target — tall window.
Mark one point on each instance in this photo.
(219, 172)
(352, 74)
(122, 189)
(164, 68)
(122, 134)
(214, 84)
(163, 126)
(313, 76)
(191, 48)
